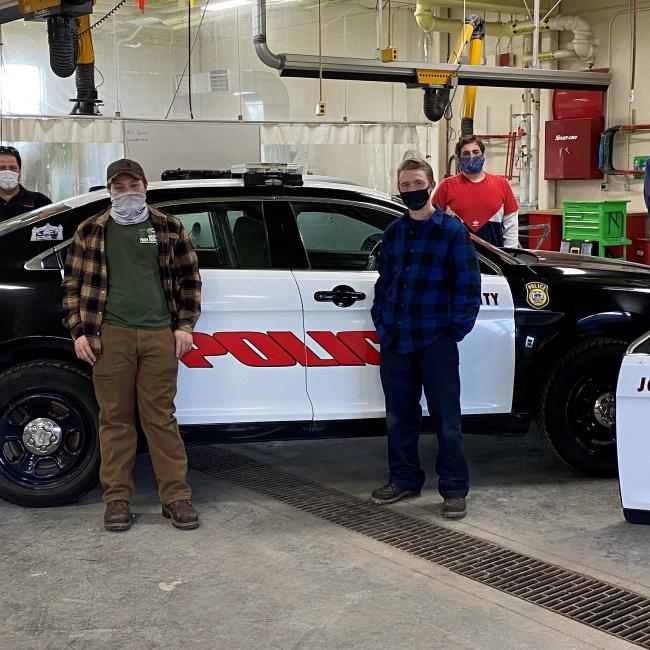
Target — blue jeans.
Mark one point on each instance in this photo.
(434, 368)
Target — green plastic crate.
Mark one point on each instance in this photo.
(603, 222)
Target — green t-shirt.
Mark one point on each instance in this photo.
(135, 295)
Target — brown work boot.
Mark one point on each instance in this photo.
(117, 517)
(182, 514)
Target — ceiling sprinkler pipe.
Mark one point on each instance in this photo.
(551, 56)
(435, 103)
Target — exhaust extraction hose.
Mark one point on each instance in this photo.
(62, 40)
(435, 103)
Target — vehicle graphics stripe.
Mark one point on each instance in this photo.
(284, 349)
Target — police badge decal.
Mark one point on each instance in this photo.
(537, 295)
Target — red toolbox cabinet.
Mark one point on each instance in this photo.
(639, 251)
(636, 230)
(571, 148)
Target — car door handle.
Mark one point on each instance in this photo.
(342, 296)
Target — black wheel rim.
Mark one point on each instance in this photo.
(583, 413)
(55, 463)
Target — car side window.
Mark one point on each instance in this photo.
(198, 221)
(199, 229)
(339, 236)
(225, 234)
(248, 234)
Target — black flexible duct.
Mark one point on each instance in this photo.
(62, 39)
(606, 151)
(466, 126)
(86, 101)
(435, 103)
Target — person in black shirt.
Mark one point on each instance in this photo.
(14, 198)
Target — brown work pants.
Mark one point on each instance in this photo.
(138, 367)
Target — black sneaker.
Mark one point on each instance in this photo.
(454, 508)
(390, 493)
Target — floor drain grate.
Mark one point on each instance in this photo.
(605, 607)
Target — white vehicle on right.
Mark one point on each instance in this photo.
(633, 432)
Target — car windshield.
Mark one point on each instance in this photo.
(29, 218)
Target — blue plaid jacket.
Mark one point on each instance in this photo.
(429, 282)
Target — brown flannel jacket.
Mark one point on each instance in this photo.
(85, 279)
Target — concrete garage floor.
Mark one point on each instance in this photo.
(260, 574)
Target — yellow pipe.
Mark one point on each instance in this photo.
(463, 37)
(475, 47)
(86, 51)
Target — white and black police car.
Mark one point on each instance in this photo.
(285, 346)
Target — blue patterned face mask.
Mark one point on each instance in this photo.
(472, 164)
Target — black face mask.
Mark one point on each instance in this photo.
(415, 200)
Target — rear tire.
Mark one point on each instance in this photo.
(577, 406)
(49, 442)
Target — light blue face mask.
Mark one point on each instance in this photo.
(129, 208)
(8, 180)
(471, 164)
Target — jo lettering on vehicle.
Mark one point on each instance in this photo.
(645, 384)
(282, 349)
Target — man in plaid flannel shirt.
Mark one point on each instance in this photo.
(132, 295)
(426, 301)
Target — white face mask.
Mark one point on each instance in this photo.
(8, 179)
(129, 208)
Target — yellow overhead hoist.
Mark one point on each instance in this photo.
(438, 84)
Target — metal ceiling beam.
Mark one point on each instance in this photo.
(305, 65)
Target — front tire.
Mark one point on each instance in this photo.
(577, 406)
(49, 442)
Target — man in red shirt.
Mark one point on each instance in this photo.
(484, 202)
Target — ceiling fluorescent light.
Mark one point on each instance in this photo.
(227, 4)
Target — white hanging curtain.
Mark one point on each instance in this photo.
(66, 130)
(367, 154)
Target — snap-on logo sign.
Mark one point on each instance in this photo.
(565, 137)
(282, 349)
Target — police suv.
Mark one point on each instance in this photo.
(285, 346)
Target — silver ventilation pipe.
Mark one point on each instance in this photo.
(259, 37)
